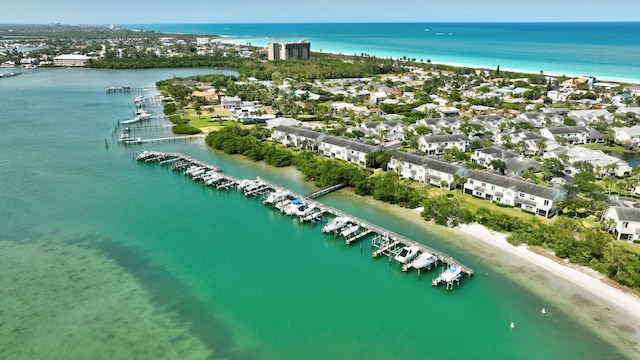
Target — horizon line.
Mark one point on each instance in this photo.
(340, 22)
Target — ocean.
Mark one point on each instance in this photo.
(605, 50)
(103, 257)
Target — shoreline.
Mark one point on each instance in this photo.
(240, 40)
(608, 309)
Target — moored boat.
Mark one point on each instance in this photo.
(407, 254)
(336, 224)
(424, 260)
(349, 231)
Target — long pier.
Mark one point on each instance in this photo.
(140, 141)
(383, 243)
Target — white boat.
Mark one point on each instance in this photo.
(312, 216)
(276, 196)
(195, 174)
(142, 114)
(192, 169)
(350, 230)
(214, 178)
(407, 254)
(424, 260)
(336, 224)
(451, 274)
(139, 100)
(130, 121)
(246, 182)
(283, 205)
(292, 207)
(256, 185)
(304, 209)
(144, 154)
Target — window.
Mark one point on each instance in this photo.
(546, 202)
(531, 197)
(493, 187)
(625, 224)
(484, 185)
(521, 195)
(471, 182)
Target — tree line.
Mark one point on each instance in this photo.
(568, 238)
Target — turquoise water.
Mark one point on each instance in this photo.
(241, 279)
(608, 51)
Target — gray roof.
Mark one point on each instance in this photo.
(374, 124)
(299, 131)
(428, 162)
(349, 144)
(445, 138)
(499, 152)
(515, 184)
(567, 129)
(627, 213)
(490, 118)
(518, 164)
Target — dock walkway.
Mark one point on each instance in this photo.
(384, 242)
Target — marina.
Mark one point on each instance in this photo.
(337, 223)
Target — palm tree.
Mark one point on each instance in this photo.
(609, 180)
(459, 180)
(541, 146)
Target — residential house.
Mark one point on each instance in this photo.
(448, 112)
(627, 222)
(378, 96)
(346, 149)
(384, 130)
(296, 136)
(230, 102)
(517, 165)
(573, 134)
(439, 125)
(514, 163)
(585, 117)
(604, 165)
(205, 97)
(426, 169)
(525, 141)
(437, 144)
(485, 156)
(628, 136)
(513, 191)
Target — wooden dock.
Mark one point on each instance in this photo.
(383, 243)
(140, 141)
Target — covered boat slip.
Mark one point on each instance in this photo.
(407, 252)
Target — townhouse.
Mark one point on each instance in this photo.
(426, 169)
(626, 222)
(346, 149)
(437, 144)
(511, 191)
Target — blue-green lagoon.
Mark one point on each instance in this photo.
(103, 257)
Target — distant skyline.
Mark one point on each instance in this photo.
(281, 11)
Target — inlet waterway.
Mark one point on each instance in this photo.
(105, 257)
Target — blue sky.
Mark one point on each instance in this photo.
(270, 11)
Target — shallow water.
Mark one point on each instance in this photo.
(110, 251)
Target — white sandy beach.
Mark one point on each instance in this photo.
(585, 278)
(610, 311)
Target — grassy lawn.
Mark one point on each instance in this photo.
(630, 247)
(474, 204)
(603, 147)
